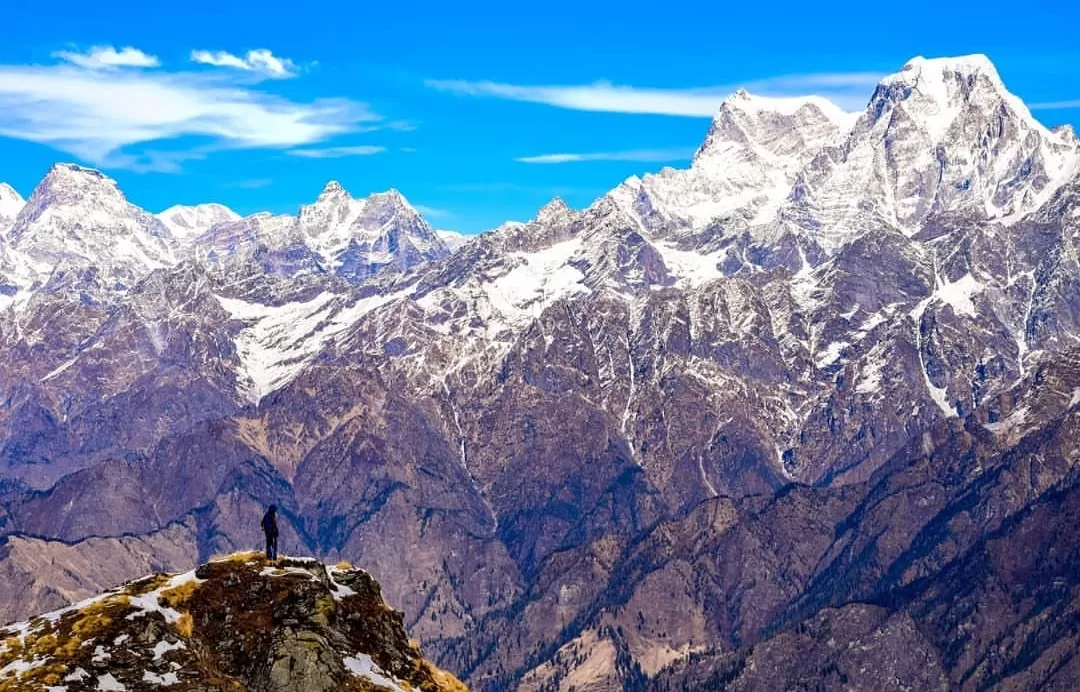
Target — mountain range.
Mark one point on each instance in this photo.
(816, 393)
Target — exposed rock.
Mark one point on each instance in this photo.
(241, 623)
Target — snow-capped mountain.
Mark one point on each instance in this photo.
(940, 136)
(187, 222)
(77, 219)
(746, 165)
(817, 368)
(357, 238)
(11, 203)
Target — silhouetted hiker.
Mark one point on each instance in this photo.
(269, 527)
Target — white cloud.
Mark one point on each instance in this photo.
(849, 90)
(105, 116)
(640, 155)
(433, 212)
(337, 152)
(260, 61)
(107, 57)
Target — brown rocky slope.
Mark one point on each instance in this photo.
(240, 623)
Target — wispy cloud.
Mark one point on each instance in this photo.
(260, 61)
(641, 155)
(108, 58)
(433, 212)
(848, 90)
(336, 152)
(108, 117)
(1054, 105)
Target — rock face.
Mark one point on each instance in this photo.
(240, 623)
(772, 401)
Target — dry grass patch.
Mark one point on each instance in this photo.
(178, 595)
(444, 680)
(185, 625)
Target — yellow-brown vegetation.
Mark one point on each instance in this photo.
(185, 625)
(179, 595)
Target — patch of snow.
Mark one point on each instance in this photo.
(689, 267)
(19, 666)
(871, 324)
(1010, 422)
(163, 647)
(148, 602)
(1075, 398)
(107, 683)
(959, 293)
(164, 680)
(78, 675)
(872, 371)
(362, 666)
(831, 354)
(186, 222)
(283, 571)
(340, 590)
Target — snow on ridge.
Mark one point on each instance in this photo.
(540, 279)
(689, 267)
(191, 221)
(453, 239)
(281, 340)
(789, 105)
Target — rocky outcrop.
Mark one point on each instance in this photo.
(240, 623)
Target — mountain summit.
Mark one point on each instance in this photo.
(241, 623)
(360, 237)
(11, 203)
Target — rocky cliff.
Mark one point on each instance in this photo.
(239, 623)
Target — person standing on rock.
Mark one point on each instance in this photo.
(269, 527)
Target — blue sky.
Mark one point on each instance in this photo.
(477, 113)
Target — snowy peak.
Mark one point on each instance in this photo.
(11, 203)
(940, 135)
(780, 126)
(935, 93)
(359, 237)
(8, 195)
(69, 184)
(554, 211)
(745, 167)
(187, 222)
(78, 217)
